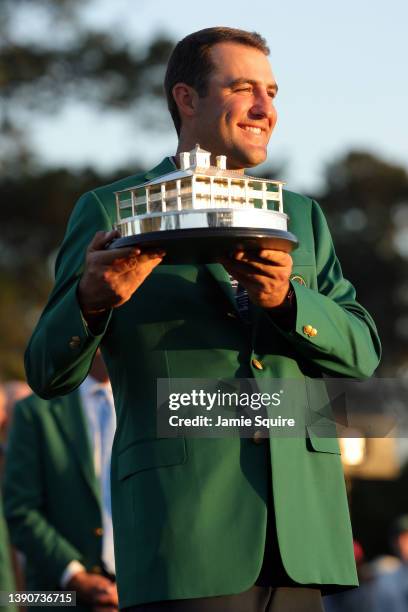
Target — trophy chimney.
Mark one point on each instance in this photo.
(221, 161)
(185, 160)
(199, 158)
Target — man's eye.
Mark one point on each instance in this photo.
(244, 89)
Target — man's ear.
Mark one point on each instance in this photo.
(186, 99)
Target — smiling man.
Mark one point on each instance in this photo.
(233, 111)
(213, 524)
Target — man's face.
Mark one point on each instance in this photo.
(237, 116)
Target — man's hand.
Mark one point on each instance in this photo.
(94, 590)
(112, 276)
(265, 276)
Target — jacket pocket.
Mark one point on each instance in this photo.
(320, 444)
(148, 454)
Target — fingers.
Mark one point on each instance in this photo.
(271, 256)
(105, 599)
(121, 259)
(249, 281)
(97, 251)
(107, 595)
(102, 239)
(266, 263)
(252, 268)
(126, 263)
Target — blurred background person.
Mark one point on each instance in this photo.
(391, 587)
(57, 491)
(16, 390)
(10, 392)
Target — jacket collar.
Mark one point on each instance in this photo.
(221, 276)
(165, 166)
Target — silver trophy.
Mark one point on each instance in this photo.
(200, 212)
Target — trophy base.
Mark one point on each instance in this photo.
(206, 245)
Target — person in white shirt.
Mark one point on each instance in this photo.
(57, 491)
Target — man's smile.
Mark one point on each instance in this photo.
(257, 130)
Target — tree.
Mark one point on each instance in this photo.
(366, 201)
(59, 60)
(67, 62)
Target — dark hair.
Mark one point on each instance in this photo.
(190, 61)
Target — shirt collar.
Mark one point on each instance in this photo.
(90, 386)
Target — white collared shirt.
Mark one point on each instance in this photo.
(89, 399)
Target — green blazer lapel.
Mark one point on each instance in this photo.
(258, 318)
(71, 420)
(221, 276)
(165, 166)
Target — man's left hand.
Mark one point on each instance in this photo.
(265, 275)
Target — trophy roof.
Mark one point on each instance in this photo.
(197, 163)
(176, 175)
(198, 149)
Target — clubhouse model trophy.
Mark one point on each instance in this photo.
(200, 212)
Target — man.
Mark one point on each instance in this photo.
(57, 491)
(212, 524)
(10, 393)
(15, 390)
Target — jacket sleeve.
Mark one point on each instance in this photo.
(345, 340)
(24, 497)
(61, 349)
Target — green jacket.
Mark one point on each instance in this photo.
(190, 514)
(51, 494)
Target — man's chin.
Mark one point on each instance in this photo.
(255, 158)
(247, 159)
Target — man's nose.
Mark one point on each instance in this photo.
(263, 106)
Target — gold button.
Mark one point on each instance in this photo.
(257, 364)
(258, 437)
(307, 329)
(313, 332)
(95, 569)
(298, 279)
(98, 531)
(74, 342)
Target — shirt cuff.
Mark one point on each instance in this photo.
(285, 314)
(72, 568)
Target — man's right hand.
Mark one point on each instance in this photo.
(112, 276)
(94, 589)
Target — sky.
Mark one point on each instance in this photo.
(341, 69)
